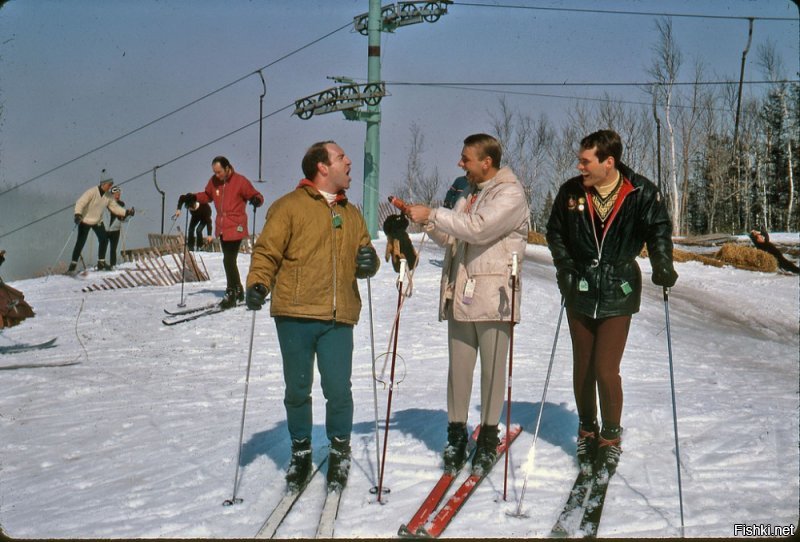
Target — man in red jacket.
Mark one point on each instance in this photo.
(230, 193)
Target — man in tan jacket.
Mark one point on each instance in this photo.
(313, 247)
(89, 216)
(485, 228)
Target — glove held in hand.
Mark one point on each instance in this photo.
(256, 296)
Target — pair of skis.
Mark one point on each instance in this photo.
(187, 315)
(581, 513)
(327, 519)
(419, 526)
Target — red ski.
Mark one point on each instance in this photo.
(435, 496)
(454, 504)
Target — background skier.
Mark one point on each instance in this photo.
(200, 220)
(89, 216)
(598, 224)
(230, 193)
(114, 228)
(313, 247)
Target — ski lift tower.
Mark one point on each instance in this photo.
(349, 97)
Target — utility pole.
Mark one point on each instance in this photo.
(372, 144)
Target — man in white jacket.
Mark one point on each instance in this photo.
(89, 216)
(485, 228)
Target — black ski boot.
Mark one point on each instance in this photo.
(72, 270)
(486, 452)
(609, 448)
(101, 265)
(587, 445)
(338, 464)
(455, 453)
(229, 299)
(300, 466)
(239, 293)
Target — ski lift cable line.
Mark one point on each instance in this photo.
(175, 111)
(622, 12)
(564, 97)
(150, 170)
(581, 83)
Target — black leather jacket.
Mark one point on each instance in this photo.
(609, 282)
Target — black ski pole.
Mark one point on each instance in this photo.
(514, 270)
(391, 375)
(531, 453)
(62, 251)
(185, 249)
(674, 408)
(234, 499)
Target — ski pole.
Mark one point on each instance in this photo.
(514, 270)
(234, 499)
(62, 251)
(391, 377)
(174, 220)
(183, 265)
(674, 408)
(374, 380)
(531, 452)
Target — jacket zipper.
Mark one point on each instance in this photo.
(333, 256)
(600, 244)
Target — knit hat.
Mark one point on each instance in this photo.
(105, 177)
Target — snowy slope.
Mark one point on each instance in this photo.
(129, 428)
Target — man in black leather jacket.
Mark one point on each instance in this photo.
(599, 223)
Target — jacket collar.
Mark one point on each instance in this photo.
(341, 197)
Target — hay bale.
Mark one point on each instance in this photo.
(748, 258)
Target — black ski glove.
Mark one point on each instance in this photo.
(189, 199)
(256, 296)
(566, 279)
(256, 202)
(78, 218)
(664, 275)
(130, 212)
(367, 262)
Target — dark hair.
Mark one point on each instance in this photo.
(222, 161)
(486, 145)
(608, 143)
(315, 154)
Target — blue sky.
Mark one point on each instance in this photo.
(76, 75)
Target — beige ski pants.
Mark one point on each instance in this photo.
(465, 341)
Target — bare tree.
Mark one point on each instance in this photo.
(418, 186)
(664, 69)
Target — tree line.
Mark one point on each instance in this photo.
(725, 160)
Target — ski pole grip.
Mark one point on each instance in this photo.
(402, 274)
(400, 204)
(514, 264)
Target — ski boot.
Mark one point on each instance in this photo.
(455, 453)
(239, 293)
(300, 466)
(338, 464)
(486, 452)
(72, 270)
(587, 445)
(229, 299)
(609, 449)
